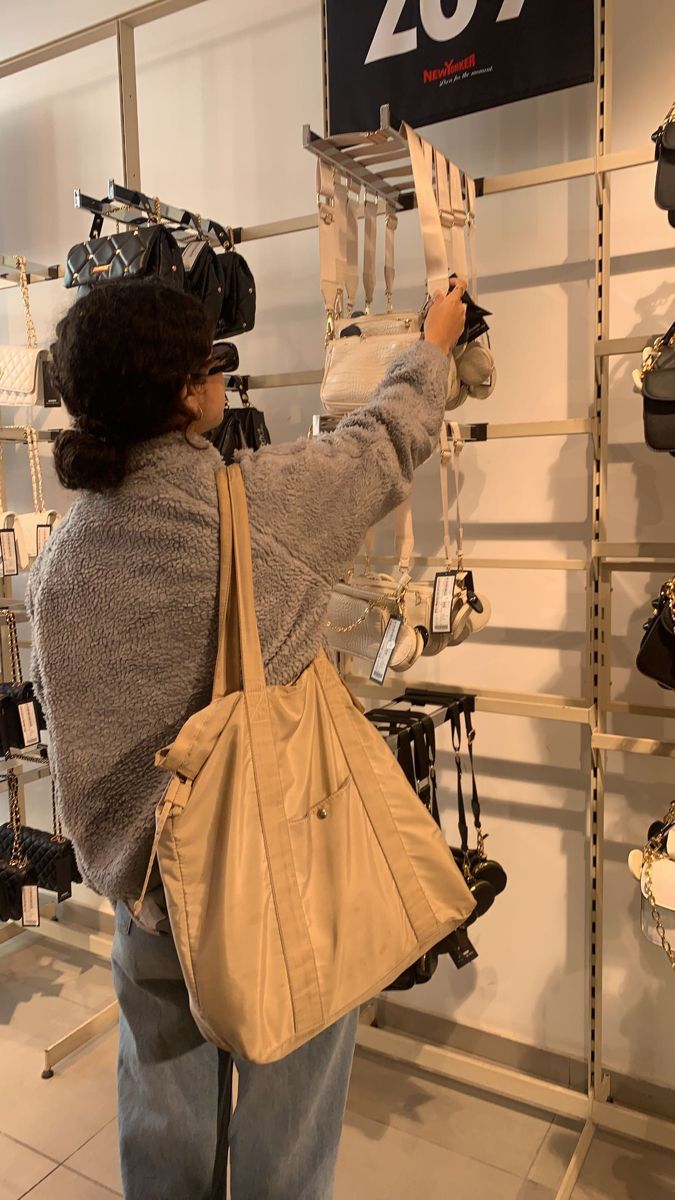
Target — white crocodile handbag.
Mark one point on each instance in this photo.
(361, 347)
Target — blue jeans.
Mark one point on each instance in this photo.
(175, 1093)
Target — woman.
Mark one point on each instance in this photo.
(125, 610)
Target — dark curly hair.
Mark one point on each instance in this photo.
(122, 357)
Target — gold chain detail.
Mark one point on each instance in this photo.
(355, 624)
(13, 639)
(655, 353)
(31, 334)
(17, 858)
(668, 593)
(158, 208)
(651, 853)
(35, 468)
(56, 820)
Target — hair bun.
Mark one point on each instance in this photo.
(84, 461)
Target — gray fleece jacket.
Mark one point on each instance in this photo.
(124, 599)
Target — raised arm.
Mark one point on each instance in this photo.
(311, 502)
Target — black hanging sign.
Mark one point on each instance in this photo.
(434, 59)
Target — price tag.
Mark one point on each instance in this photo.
(10, 564)
(441, 608)
(460, 948)
(29, 725)
(43, 532)
(387, 647)
(30, 907)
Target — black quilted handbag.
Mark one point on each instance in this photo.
(51, 857)
(204, 276)
(15, 871)
(656, 656)
(148, 250)
(237, 314)
(664, 139)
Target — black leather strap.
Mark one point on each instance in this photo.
(456, 728)
(470, 737)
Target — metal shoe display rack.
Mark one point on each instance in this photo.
(379, 161)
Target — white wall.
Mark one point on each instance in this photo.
(223, 93)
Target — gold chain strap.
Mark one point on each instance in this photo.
(56, 820)
(651, 853)
(12, 637)
(355, 624)
(655, 353)
(35, 468)
(17, 858)
(158, 208)
(31, 334)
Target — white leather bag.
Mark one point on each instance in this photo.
(361, 348)
(22, 368)
(31, 530)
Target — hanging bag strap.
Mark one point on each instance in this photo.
(31, 334)
(389, 260)
(456, 730)
(435, 253)
(325, 195)
(352, 251)
(475, 802)
(35, 468)
(341, 204)
(470, 195)
(459, 259)
(450, 452)
(369, 248)
(404, 536)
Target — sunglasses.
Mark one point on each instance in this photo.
(218, 368)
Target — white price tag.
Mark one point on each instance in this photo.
(43, 532)
(441, 610)
(10, 564)
(387, 647)
(29, 726)
(30, 906)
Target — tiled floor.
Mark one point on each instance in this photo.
(405, 1136)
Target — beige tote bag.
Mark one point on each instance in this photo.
(301, 871)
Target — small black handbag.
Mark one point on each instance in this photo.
(237, 314)
(21, 717)
(656, 656)
(142, 252)
(656, 380)
(204, 276)
(50, 855)
(15, 870)
(664, 140)
(240, 429)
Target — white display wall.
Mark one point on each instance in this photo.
(223, 93)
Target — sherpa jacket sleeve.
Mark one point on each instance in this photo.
(310, 503)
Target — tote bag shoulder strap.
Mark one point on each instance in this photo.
(238, 629)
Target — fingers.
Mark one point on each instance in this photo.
(458, 286)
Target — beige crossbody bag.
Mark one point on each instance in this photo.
(301, 872)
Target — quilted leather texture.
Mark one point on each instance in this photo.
(19, 376)
(53, 862)
(150, 250)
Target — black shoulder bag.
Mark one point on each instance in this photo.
(141, 252)
(664, 140)
(656, 656)
(241, 428)
(656, 380)
(16, 872)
